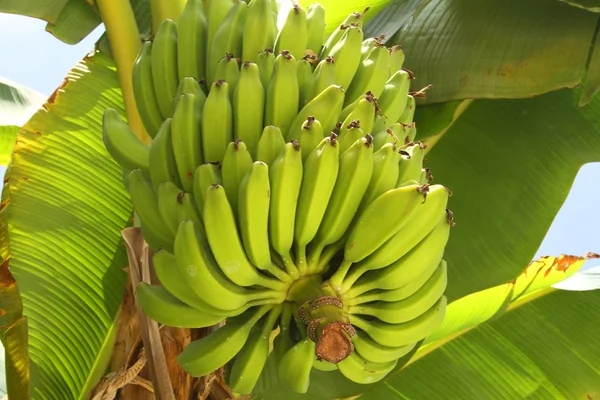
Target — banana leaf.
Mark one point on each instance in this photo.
(590, 5)
(64, 208)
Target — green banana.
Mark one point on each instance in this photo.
(226, 245)
(192, 34)
(229, 71)
(259, 31)
(122, 144)
(266, 65)
(304, 74)
(315, 27)
(394, 97)
(248, 107)
(217, 122)
(349, 135)
(426, 255)
(236, 164)
(282, 95)
(322, 77)
(168, 195)
(353, 19)
(371, 75)
(186, 209)
(227, 38)
(397, 335)
(359, 370)
(296, 364)
(206, 355)
(368, 45)
(318, 182)
(385, 174)
(253, 212)
(437, 273)
(397, 58)
(164, 66)
(372, 351)
(325, 107)
(215, 15)
(163, 307)
(418, 225)
(186, 138)
(396, 134)
(355, 169)
(310, 136)
(206, 278)
(286, 178)
(205, 176)
(270, 144)
(347, 55)
(145, 205)
(190, 85)
(143, 90)
(406, 309)
(410, 163)
(250, 361)
(409, 111)
(293, 36)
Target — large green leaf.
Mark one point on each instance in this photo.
(495, 48)
(67, 207)
(510, 164)
(68, 20)
(546, 347)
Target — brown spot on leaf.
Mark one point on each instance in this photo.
(6, 278)
(24, 178)
(54, 95)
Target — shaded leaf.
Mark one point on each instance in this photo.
(16, 362)
(592, 79)
(68, 20)
(67, 207)
(510, 164)
(497, 48)
(393, 17)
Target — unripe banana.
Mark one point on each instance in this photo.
(379, 123)
(217, 124)
(226, 245)
(250, 361)
(145, 205)
(315, 27)
(236, 164)
(293, 36)
(394, 97)
(163, 307)
(385, 174)
(371, 75)
(161, 158)
(282, 96)
(359, 370)
(325, 108)
(409, 111)
(285, 178)
(296, 364)
(143, 90)
(396, 134)
(310, 136)
(320, 174)
(368, 45)
(259, 31)
(372, 351)
(410, 163)
(192, 33)
(396, 59)
(206, 355)
(228, 37)
(270, 144)
(229, 71)
(322, 78)
(349, 134)
(353, 19)
(168, 195)
(364, 111)
(346, 54)
(205, 176)
(397, 335)
(187, 139)
(266, 65)
(164, 66)
(189, 85)
(122, 144)
(216, 13)
(304, 74)
(248, 107)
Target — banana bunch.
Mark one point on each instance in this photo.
(283, 194)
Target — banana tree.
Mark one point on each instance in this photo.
(510, 119)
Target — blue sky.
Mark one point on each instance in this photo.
(36, 59)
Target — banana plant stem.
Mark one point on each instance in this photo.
(125, 43)
(165, 9)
